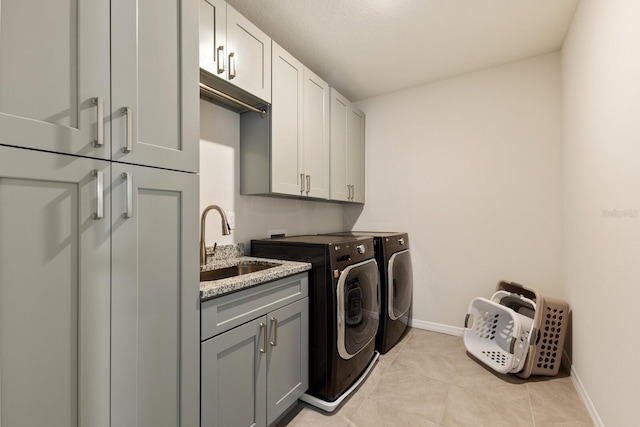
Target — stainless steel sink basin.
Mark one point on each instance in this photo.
(235, 270)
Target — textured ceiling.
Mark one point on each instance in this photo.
(366, 48)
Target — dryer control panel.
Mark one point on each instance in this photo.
(351, 252)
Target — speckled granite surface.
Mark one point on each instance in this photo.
(223, 252)
(231, 255)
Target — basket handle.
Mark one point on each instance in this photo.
(466, 320)
(512, 349)
(535, 336)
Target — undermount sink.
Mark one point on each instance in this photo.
(235, 270)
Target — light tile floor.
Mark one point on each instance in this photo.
(428, 379)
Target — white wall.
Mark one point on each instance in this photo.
(470, 167)
(255, 215)
(601, 109)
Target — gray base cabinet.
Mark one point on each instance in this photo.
(234, 377)
(99, 293)
(54, 290)
(254, 368)
(287, 357)
(155, 297)
(99, 290)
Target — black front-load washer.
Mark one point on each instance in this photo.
(396, 284)
(343, 303)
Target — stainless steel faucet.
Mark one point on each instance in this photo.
(226, 230)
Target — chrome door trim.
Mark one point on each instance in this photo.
(390, 312)
(342, 350)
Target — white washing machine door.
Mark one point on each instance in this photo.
(358, 308)
(399, 285)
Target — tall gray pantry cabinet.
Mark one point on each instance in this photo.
(99, 289)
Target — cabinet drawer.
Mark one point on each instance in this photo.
(228, 311)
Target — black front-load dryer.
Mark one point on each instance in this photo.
(396, 284)
(343, 305)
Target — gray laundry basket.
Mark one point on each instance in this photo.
(550, 323)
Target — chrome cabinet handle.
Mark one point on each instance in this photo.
(274, 322)
(99, 141)
(263, 328)
(220, 59)
(128, 147)
(350, 197)
(308, 184)
(99, 175)
(232, 65)
(129, 183)
(301, 183)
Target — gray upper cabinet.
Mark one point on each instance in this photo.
(316, 135)
(286, 123)
(235, 50)
(111, 80)
(347, 150)
(154, 111)
(155, 298)
(54, 89)
(54, 290)
(287, 153)
(213, 37)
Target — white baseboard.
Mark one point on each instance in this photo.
(436, 327)
(582, 392)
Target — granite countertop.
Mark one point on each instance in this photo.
(232, 255)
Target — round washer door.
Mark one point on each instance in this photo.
(400, 284)
(357, 298)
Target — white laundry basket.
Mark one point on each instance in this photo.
(524, 309)
(492, 335)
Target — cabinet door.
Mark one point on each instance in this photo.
(288, 357)
(286, 123)
(234, 377)
(213, 37)
(154, 69)
(248, 56)
(355, 153)
(54, 290)
(54, 60)
(340, 189)
(316, 135)
(155, 298)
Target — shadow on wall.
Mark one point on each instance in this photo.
(351, 215)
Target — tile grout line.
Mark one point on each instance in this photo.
(533, 419)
